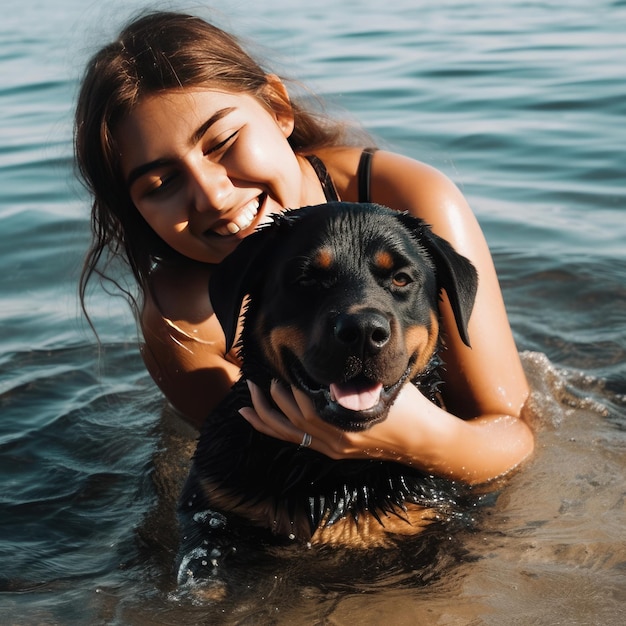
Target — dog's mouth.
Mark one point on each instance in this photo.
(354, 404)
(358, 394)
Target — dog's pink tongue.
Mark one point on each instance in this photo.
(356, 397)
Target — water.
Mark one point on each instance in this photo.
(523, 105)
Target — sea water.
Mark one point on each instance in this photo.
(523, 105)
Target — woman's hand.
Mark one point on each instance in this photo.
(416, 432)
(298, 417)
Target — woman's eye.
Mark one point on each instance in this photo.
(222, 144)
(162, 185)
(401, 279)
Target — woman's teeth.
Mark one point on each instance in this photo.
(241, 221)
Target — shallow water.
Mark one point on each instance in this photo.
(522, 104)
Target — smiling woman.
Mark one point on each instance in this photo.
(160, 54)
(205, 168)
(195, 146)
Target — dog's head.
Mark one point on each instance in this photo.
(342, 304)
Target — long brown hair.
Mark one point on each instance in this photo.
(158, 52)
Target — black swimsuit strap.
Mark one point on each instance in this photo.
(364, 174)
(324, 177)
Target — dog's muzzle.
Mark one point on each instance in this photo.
(353, 404)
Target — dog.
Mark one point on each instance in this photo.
(341, 302)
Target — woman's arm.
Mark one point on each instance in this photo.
(485, 385)
(416, 433)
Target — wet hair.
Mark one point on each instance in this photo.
(160, 52)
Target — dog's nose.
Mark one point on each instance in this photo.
(364, 332)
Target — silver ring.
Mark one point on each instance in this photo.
(306, 440)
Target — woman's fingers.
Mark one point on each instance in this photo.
(252, 417)
(294, 418)
(284, 398)
(328, 439)
(267, 420)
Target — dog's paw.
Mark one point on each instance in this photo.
(200, 563)
(203, 547)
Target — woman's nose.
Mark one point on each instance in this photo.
(212, 187)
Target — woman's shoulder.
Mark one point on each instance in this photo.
(397, 181)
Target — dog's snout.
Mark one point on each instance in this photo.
(363, 332)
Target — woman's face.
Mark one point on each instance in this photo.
(205, 168)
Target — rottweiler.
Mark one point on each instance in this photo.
(340, 301)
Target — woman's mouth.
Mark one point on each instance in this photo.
(244, 218)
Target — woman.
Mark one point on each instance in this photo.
(187, 145)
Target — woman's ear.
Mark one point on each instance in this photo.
(278, 99)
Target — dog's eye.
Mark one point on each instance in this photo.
(300, 278)
(306, 282)
(401, 279)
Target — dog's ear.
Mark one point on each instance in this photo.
(237, 275)
(455, 273)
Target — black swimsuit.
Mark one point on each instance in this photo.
(363, 176)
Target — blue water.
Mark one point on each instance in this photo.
(523, 104)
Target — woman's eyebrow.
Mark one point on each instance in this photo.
(140, 170)
(216, 117)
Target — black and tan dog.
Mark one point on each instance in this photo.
(342, 304)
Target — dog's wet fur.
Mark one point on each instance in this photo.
(341, 302)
